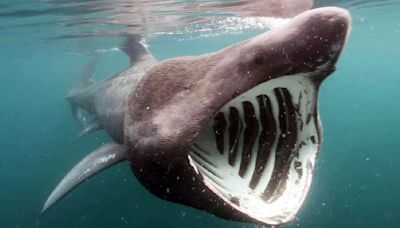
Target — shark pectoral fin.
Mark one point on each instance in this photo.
(93, 126)
(100, 159)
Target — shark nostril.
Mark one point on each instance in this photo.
(259, 59)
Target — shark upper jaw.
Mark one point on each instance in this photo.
(309, 43)
(243, 135)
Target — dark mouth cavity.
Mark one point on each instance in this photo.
(232, 127)
(258, 151)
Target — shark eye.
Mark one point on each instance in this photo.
(259, 59)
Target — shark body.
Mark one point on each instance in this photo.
(234, 132)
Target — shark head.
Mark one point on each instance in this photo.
(236, 132)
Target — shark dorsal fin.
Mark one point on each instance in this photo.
(134, 48)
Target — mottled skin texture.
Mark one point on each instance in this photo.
(158, 110)
(107, 99)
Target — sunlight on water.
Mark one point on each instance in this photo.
(102, 18)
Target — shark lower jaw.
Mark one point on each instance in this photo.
(258, 152)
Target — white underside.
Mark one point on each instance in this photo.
(225, 180)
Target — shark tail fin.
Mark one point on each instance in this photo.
(85, 78)
(97, 161)
(82, 81)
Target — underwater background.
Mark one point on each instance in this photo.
(46, 45)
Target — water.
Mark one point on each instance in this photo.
(45, 45)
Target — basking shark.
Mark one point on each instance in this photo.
(235, 132)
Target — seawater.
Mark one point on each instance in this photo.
(356, 181)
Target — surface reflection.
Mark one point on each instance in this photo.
(140, 16)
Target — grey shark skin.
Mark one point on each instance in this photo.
(107, 99)
(234, 132)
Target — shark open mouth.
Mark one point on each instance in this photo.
(258, 152)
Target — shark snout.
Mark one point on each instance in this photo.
(320, 37)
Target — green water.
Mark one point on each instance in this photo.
(356, 181)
